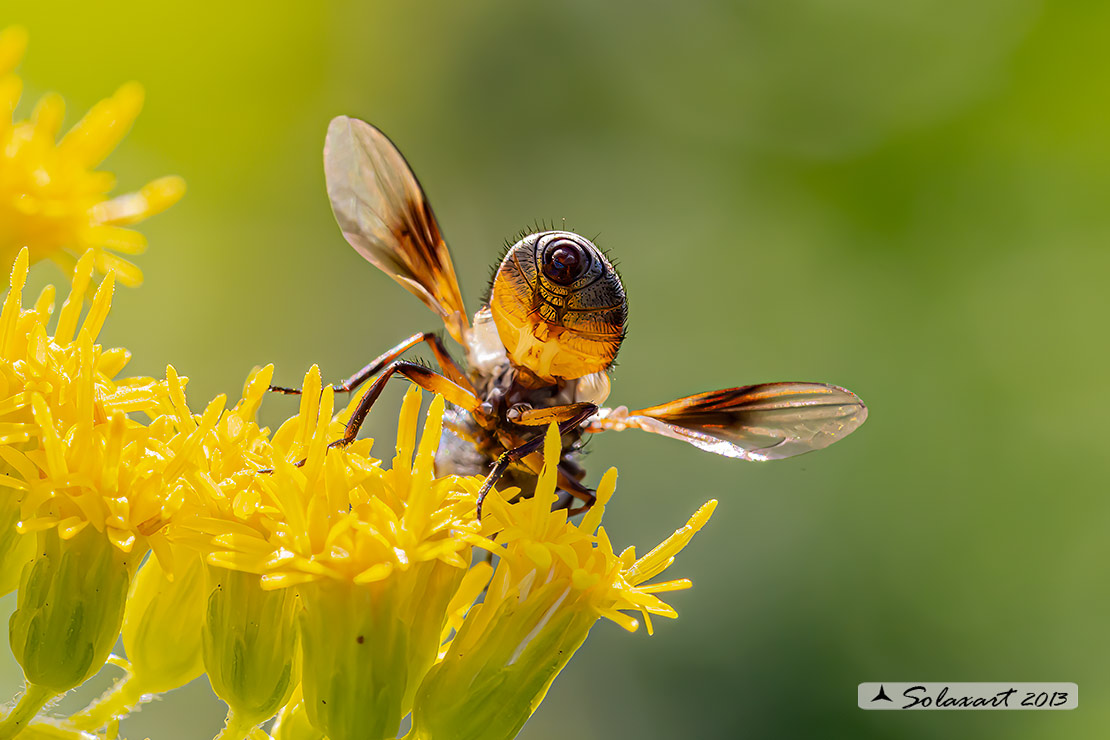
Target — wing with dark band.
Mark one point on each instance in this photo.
(382, 212)
(757, 422)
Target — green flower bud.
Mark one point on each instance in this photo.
(67, 617)
(250, 644)
(366, 647)
(70, 607)
(161, 634)
(498, 670)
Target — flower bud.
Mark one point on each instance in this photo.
(500, 665)
(366, 647)
(162, 623)
(70, 607)
(250, 644)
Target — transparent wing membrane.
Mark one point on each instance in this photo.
(381, 209)
(770, 421)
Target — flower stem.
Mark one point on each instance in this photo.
(117, 703)
(33, 699)
(234, 728)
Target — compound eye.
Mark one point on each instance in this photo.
(564, 262)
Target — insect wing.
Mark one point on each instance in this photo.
(383, 214)
(757, 422)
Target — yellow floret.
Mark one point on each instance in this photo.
(52, 199)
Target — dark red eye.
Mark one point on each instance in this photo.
(564, 262)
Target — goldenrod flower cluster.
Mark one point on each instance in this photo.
(316, 586)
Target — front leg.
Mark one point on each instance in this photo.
(427, 379)
(446, 364)
(585, 411)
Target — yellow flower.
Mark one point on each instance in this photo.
(76, 458)
(372, 627)
(375, 557)
(342, 517)
(91, 482)
(552, 583)
(52, 200)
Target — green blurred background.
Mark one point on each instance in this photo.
(908, 199)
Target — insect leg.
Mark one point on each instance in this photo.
(578, 491)
(543, 417)
(427, 379)
(446, 362)
(366, 372)
(517, 453)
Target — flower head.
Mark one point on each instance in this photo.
(375, 555)
(342, 516)
(88, 484)
(76, 458)
(52, 199)
(553, 581)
